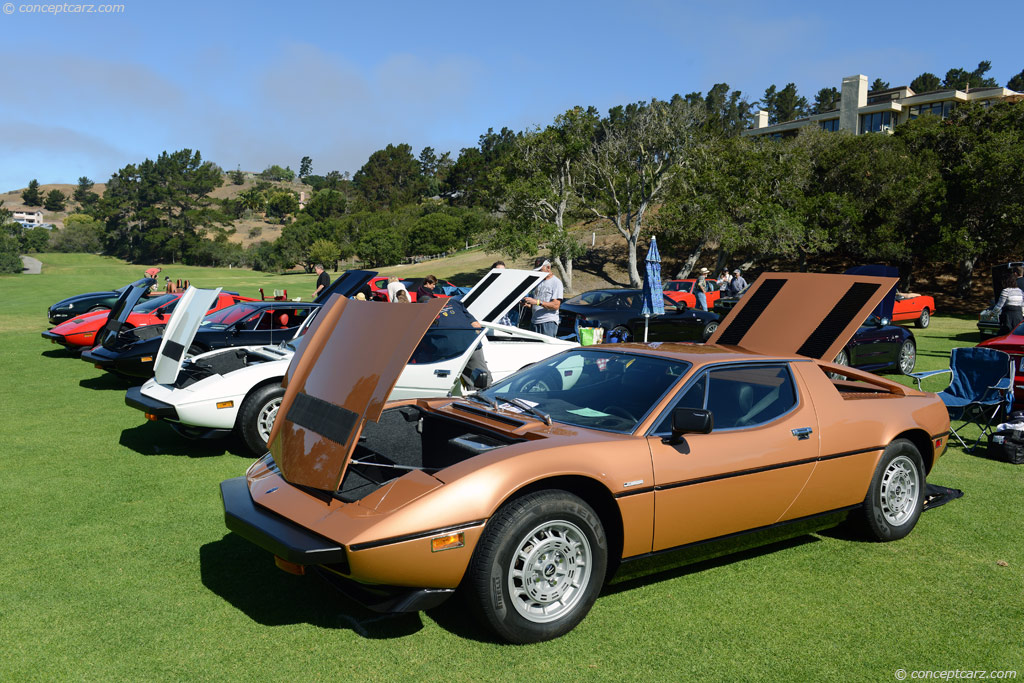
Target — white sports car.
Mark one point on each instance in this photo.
(239, 389)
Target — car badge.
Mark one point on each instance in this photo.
(635, 482)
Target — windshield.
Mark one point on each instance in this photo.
(150, 305)
(591, 298)
(598, 389)
(227, 316)
(678, 286)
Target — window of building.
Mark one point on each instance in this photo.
(872, 123)
(832, 125)
(940, 109)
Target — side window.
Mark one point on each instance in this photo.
(738, 396)
(747, 396)
(693, 398)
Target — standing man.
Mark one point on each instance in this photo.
(701, 290)
(323, 280)
(738, 284)
(546, 300)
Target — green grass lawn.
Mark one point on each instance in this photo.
(116, 564)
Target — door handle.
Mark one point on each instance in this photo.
(802, 433)
(442, 373)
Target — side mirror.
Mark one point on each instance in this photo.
(690, 421)
(480, 378)
(159, 314)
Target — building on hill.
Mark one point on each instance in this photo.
(862, 111)
(33, 217)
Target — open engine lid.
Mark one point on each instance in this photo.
(342, 375)
(180, 331)
(500, 290)
(810, 314)
(122, 308)
(347, 284)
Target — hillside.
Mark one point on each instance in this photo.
(247, 229)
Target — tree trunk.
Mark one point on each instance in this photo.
(963, 279)
(565, 272)
(722, 263)
(634, 275)
(691, 261)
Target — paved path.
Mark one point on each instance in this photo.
(32, 266)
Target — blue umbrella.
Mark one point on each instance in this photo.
(653, 298)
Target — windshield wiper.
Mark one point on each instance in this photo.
(532, 410)
(486, 400)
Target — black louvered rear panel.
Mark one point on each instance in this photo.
(841, 315)
(749, 314)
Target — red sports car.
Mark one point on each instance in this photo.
(1013, 344)
(917, 307)
(80, 332)
(684, 290)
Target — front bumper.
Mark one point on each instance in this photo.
(132, 366)
(151, 406)
(298, 545)
(55, 338)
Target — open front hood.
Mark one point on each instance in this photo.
(347, 284)
(119, 313)
(810, 314)
(341, 376)
(499, 291)
(180, 331)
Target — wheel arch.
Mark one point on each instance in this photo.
(597, 496)
(923, 443)
(254, 388)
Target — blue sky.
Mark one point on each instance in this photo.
(260, 83)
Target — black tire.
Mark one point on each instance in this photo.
(196, 349)
(907, 358)
(896, 495)
(925, 320)
(557, 536)
(709, 330)
(842, 358)
(256, 416)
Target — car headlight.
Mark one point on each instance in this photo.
(64, 307)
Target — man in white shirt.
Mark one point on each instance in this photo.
(546, 300)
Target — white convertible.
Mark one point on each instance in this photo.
(240, 389)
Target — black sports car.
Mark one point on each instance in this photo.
(251, 323)
(878, 346)
(73, 306)
(618, 312)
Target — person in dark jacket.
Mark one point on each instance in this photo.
(425, 292)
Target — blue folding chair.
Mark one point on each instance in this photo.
(980, 389)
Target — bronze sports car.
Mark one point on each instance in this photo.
(532, 491)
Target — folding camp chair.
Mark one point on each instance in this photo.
(980, 389)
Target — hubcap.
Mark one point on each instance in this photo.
(265, 420)
(549, 571)
(908, 358)
(924, 318)
(900, 490)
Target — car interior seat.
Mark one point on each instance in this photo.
(282, 320)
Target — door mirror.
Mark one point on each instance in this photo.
(690, 421)
(480, 379)
(159, 314)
